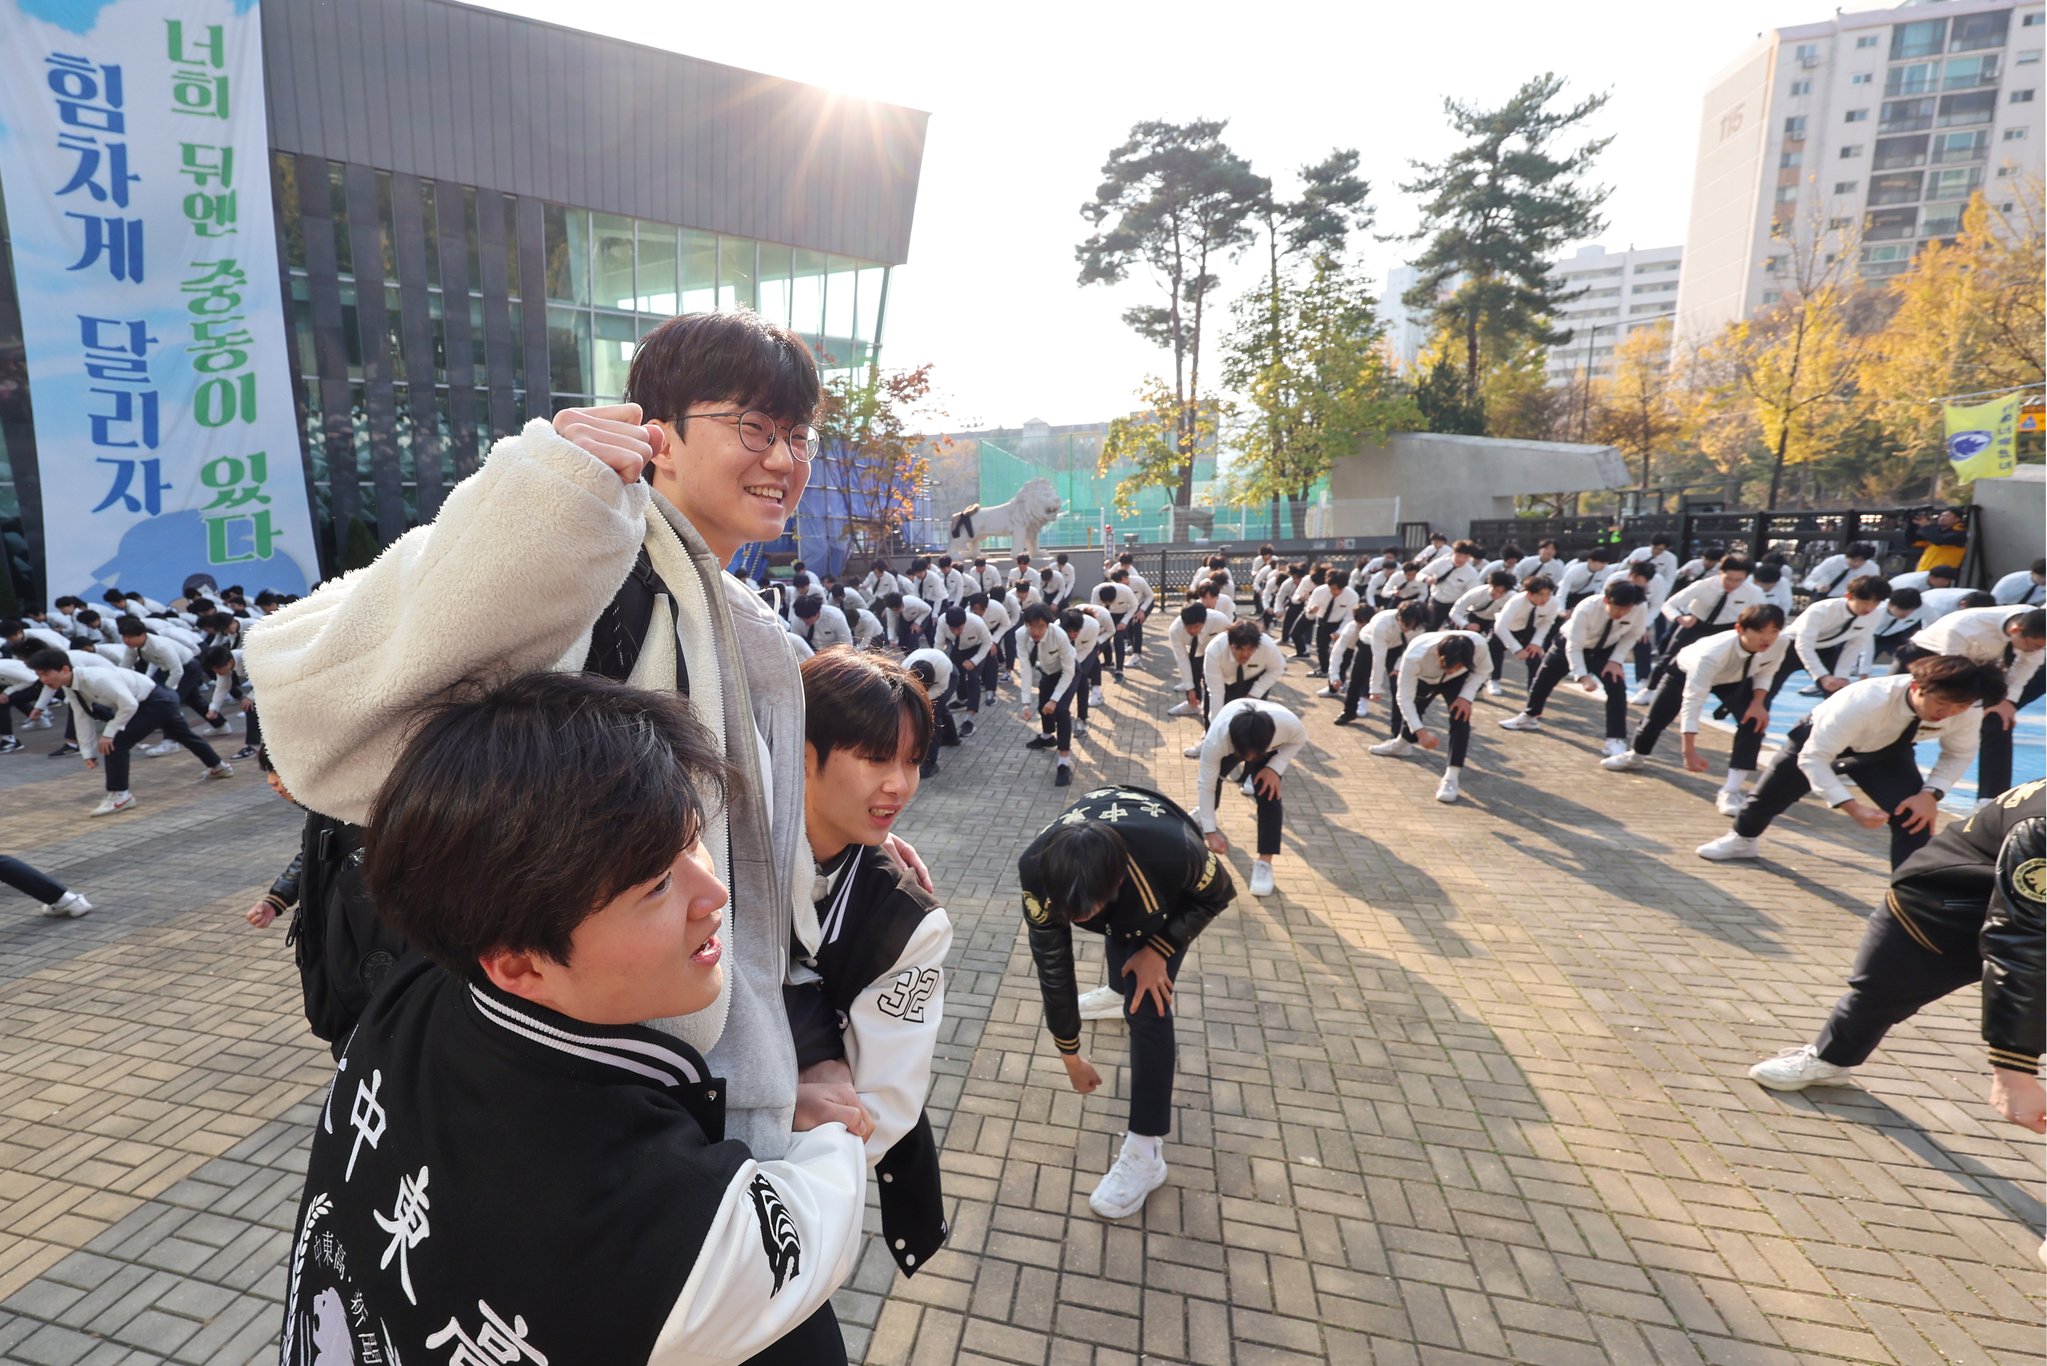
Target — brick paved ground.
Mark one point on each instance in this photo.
(1471, 1088)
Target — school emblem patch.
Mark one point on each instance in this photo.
(2029, 880)
(1034, 909)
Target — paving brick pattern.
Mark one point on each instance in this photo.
(1470, 1088)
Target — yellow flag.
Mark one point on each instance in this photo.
(1981, 440)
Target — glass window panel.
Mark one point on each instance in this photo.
(612, 284)
(518, 324)
(508, 214)
(477, 350)
(351, 332)
(437, 328)
(806, 294)
(657, 292)
(302, 331)
(1922, 39)
(568, 349)
(1974, 31)
(394, 334)
(867, 322)
(616, 335)
(735, 272)
(776, 263)
(841, 276)
(469, 224)
(566, 233)
(288, 210)
(337, 207)
(430, 219)
(387, 230)
(699, 272)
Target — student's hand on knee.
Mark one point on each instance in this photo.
(1267, 783)
(1918, 811)
(1148, 968)
(106, 746)
(2019, 1098)
(1081, 1073)
(1217, 842)
(2006, 712)
(1460, 709)
(1757, 715)
(614, 434)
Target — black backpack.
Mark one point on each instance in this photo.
(342, 950)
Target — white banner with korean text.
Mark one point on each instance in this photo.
(135, 166)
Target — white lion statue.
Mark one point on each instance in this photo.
(1021, 519)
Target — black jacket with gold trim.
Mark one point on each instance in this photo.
(1972, 876)
(1172, 888)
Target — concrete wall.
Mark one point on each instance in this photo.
(2014, 520)
(1451, 481)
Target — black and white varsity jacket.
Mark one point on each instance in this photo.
(1172, 887)
(492, 1181)
(881, 964)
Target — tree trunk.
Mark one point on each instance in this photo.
(1183, 496)
(1471, 359)
(1777, 465)
(1300, 514)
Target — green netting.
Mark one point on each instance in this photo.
(1068, 460)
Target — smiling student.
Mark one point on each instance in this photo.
(500, 1101)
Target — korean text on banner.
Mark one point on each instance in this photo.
(135, 163)
(1982, 440)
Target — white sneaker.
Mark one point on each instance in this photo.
(1614, 747)
(1446, 791)
(1627, 761)
(1329, 691)
(68, 906)
(222, 729)
(1103, 1003)
(40, 723)
(1191, 752)
(1730, 801)
(1797, 1068)
(1640, 697)
(221, 771)
(1080, 728)
(1729, 846)
(1183, 709)
(1522, 721)
(1396, 748)
(159, 749)
(1094, 697)
(1492, 687)
(1123, 1191)
(1261, 878)
(1248, 788)
(110, 803)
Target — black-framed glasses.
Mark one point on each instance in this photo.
(757, 432)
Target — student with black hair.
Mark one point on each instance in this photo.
(1836, 572)
(1708, 607)
(1384, 638)
(1831, 639)
(2009, 638)
(1865, 734)
(1446, 664)
(1125, 572)
(995, 616)
(113, 710)
(2022, 587)
(866, 1007)
(1703, 565)
(818, 624)
(1084, 633)
(1732, 666)
(933, 669)
(1241, 662)
(229, 691)
(1050, 673)
(1128, 864)
(1300, 631)
(551, 876)
(1657, 555)
(1581, 579)
(1897, 624)
(1290, 600)
(1120, 603)
(1590, 648)
(969, 644)
(904, 618)
(1449, 578)
(1772, 579)
(1262, 738)
(1329, 606)
(1187, 641)
(1523, 626)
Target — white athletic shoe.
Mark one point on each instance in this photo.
(1191, 752)
(1080, 728)
(222, 729)
(1640, 697)
(110, 803)
(1123, 1191)
(1627, 761)
(1492, 687)
(221, 771)
(1522, 721)
(1183, 709)
(1261, 878)
(159, 749)
(1446, 791)
(1730, 801)
(1614, 747)
(68, 906)
(1329, 691)
(1797, 1068)
(1103, 1003)
(40, 723)
(1396, 748)
(1248, 788)
(1728, 847)
(1094, 697)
